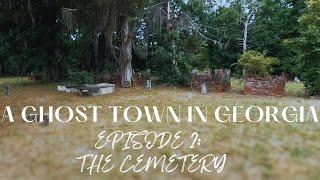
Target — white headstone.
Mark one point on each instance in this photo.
(203, 88)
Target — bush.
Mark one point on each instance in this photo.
(170, 67)
(81, 77)
(257, 64)
(307, 48)
(310, 75)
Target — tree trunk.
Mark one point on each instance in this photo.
(126, 54)
(96, 50)
(10, 4)
(247, 23)
(167, 10)
(110, 56)
(1, 69)
(245, 36)
(33, 19)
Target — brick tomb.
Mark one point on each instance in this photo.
(217, 82)
(270, 86)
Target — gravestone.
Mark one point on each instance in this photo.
(203, 88)
(207, 72)
(222, 80)
(195, 72)
(148, 85)
(189, 95)
(5, 89)
(207, 81)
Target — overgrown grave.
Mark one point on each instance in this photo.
(206, 81)
(258, 77)
(268, 86)
(88, 89)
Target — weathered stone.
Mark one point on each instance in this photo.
(97, 89)
(148, 85)
(195, 72)
(270, 86)
(222, 80)
(207, 71)
(88, 90)
(203, 88)
(61, 88)
(189, 95)
(5, 89)
(219, 82)
(85, 92)
(68, 88)
(72, 89)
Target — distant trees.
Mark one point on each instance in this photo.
(111, 20)
(37, 37)
(307, 48)
(29, 38)
(62, 38)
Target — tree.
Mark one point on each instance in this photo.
(98, 18)
(30, 38)
(276, 22)
(307, 48)
(127, 10)
(249, 10)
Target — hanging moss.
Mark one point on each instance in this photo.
(69, 19)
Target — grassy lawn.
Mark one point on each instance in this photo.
(255, 151)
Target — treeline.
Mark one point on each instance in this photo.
(65, 39)
(52, 37)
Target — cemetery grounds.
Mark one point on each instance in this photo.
(261, 151)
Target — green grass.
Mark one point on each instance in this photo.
(237, 85)
(292, 88)
(295, 89)
(16, 81)
(255, 151)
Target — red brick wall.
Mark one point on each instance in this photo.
(271, 86)
(217, 82)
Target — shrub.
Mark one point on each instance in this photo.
(170, 67)
(257, 64)
(307, 48)
(310, 75)
(81, 77)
